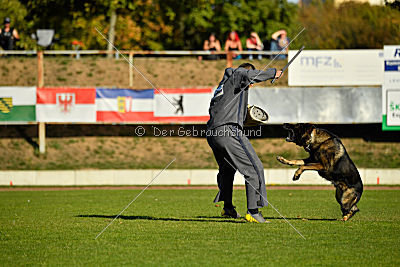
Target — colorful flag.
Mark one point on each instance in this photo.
(17, 103)
(66, 104)
(183, 104)
(124, 105)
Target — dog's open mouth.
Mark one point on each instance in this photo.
(290, 137)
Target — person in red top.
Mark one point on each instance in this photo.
(254, 44)
(233, 44)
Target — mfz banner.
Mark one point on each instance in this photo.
(391, 88)
(336, 67)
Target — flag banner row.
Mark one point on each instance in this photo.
(89, 105)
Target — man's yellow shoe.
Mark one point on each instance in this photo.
(255, 218)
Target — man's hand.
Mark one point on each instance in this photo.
(278, 73)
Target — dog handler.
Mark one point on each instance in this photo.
(230, 146)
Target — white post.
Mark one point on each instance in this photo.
(130, 69)
(111, 33)
(42, 137)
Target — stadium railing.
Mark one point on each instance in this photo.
(137, 52)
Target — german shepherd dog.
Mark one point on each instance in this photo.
(329, 157)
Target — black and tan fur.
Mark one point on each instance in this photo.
(329, 157)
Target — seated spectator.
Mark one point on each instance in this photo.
(212, 44)
(8, 35)
(233, 44)
(254, 44)
(279, 41)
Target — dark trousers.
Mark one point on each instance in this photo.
(233, 151)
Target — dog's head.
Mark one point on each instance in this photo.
(299, 133)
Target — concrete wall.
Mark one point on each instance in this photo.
(176, 177)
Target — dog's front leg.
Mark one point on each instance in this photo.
(307, 167)
(291, 162)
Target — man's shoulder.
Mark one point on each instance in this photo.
(242, 72)
(229, 71)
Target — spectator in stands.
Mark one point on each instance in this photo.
(233, 44)
(8, 35)
(212, 44)
(279, 41)
(254, 44)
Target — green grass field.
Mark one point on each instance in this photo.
(183, 227)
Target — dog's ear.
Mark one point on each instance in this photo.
(309, 127)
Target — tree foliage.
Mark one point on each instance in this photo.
(223, 16)
(185, 24)
(17, 12)
(349, 26)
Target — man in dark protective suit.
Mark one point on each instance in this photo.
(231, 148)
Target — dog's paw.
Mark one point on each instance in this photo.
(297, 174)
(296, 177)
(349, 215)
(281, 159)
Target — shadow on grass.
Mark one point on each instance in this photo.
(302, 219)
(23, 134)
(151, 218)
(278, 218)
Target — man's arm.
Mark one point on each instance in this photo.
(275, 35)
(205, 45)
(249, 44)
(218, 46)
(15, 34)
(256, 76)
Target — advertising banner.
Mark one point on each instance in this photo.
(391, 88)
(319, 104)
(336, 67)
(65, 104)
(17, 103)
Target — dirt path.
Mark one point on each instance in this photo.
(65, 188)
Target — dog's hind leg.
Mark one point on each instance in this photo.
(347, 198)
(351, 213)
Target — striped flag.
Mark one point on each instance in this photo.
(124, 105)
(189, 104)
(17, 103)
(66, 104)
